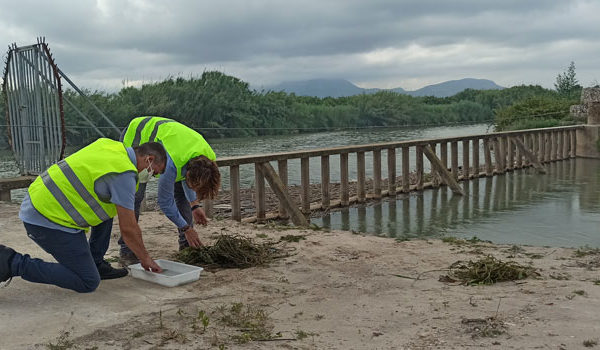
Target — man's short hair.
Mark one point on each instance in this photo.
(152, 149)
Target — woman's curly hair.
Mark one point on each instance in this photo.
(203, 176)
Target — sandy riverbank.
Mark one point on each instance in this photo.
(338, 291)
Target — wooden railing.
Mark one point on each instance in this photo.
(502, 152)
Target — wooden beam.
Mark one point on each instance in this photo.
(325, 182)
(377, 173)
(391, 162)
(437, 163)
(454, 159)
(573, 143)
(476, 158)
(361, 172)
(529, 155)
(234, 183)
(207, 205)
(419, 166)
(344, 185)
(466, 165)
(277, 186)
(259, 181)
(405, 170)
(488, 158)
(305, 182)
(282, 169)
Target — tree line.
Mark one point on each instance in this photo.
(219, 105)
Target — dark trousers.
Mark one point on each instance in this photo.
(182, 205)
(76, 257)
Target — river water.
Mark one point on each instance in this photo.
(560, 208)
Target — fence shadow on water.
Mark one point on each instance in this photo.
(520, 206)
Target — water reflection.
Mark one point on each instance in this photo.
(560, 208)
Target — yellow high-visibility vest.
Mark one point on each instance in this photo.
(181, 142)
(64, 193)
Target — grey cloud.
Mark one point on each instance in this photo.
(270, 41)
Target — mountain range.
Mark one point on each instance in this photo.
(341, 87)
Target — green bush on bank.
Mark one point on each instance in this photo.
(219, 105)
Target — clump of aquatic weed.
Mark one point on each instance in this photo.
(489, 270)
(232, 252)
(292, 238)
(253, 322)
(460, 241)
(489, 327)
(590, 343)
(62, 342)
(585, 251)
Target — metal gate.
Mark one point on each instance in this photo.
(34, 107)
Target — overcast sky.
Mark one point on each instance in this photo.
(372, 43)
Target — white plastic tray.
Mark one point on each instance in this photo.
(173, 274)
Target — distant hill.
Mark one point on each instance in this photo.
(453, 87)
(341, 87)
(319, 88)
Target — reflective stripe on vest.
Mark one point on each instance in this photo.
(82, 191)
(140, 127)
(138, 131)
(62, 200)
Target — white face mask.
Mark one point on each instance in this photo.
(150, 170)
(146, 173)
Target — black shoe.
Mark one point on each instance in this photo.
(127, 258)
(107, 272)
(6, 255)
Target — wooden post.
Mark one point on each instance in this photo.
(419, 165)
(518, 155)
(405, 170)
(207, 206)
(559, 149)
(344, 187)
(305, 181)
(504, 146)
(259, 181)
(548, 142)
(476, 157)
(498, 155)
(361, 181)
(437, 163)
(530, 156)
(377, 173)
(573, 144)
(277, 186)
(435, 177)
(523, 138)
(565, 150)
(554, 145)
(325, 182)
(444, 154)
(466, 165)
(391, 165)
(541, 147)
(454, 158)
(488, 157)
(283, 175)
(510, 149)
(234, 183)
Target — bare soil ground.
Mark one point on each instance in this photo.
(336, 291)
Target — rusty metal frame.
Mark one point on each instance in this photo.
(34, 107)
